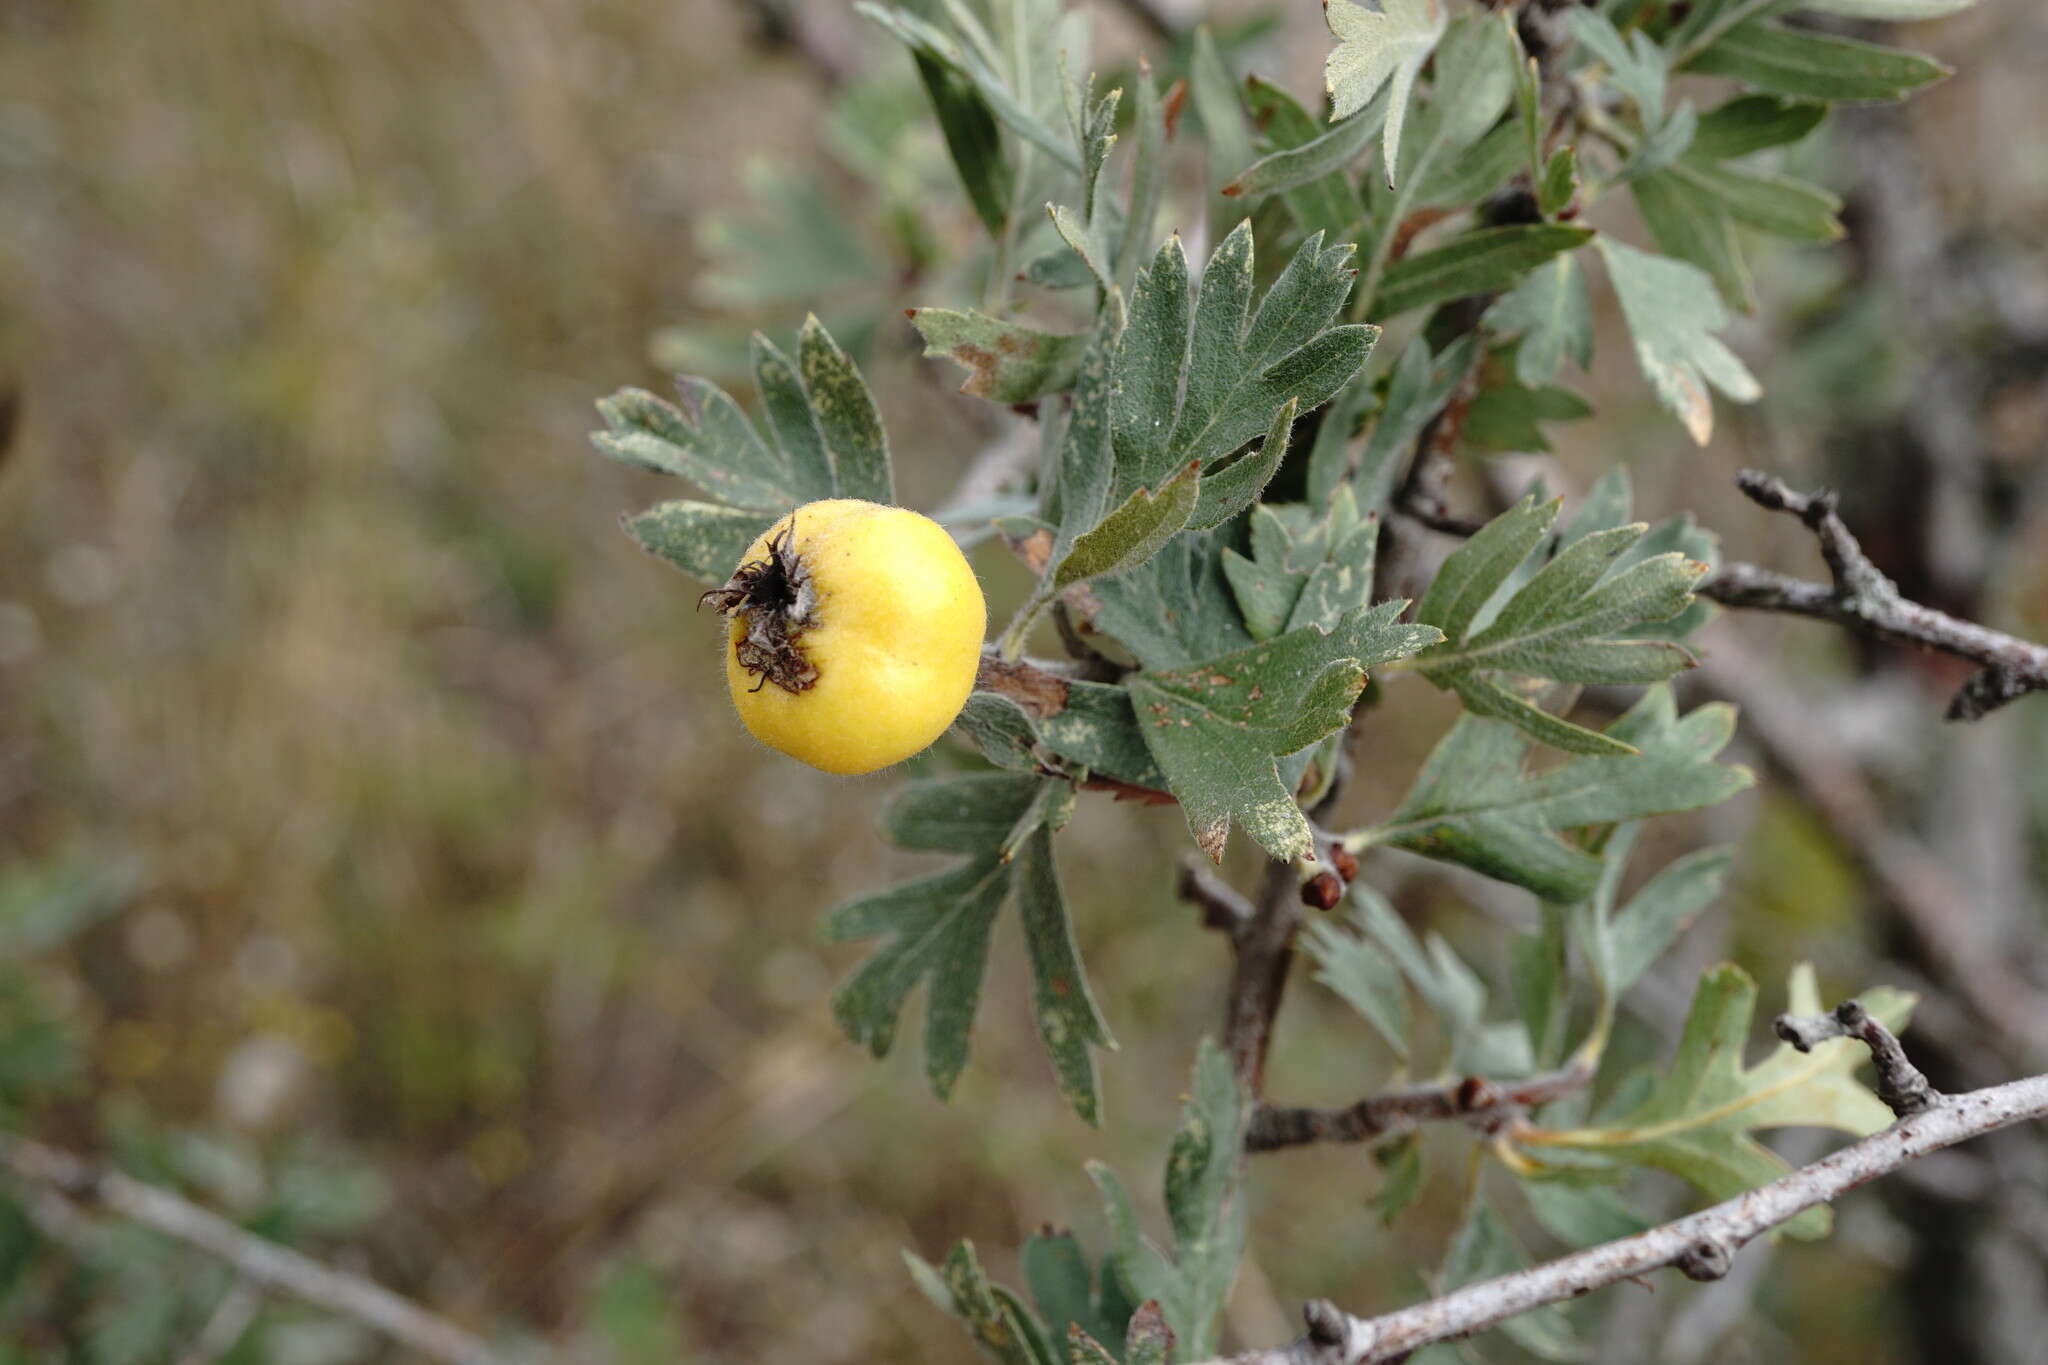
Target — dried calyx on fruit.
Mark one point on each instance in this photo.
(775, 603)
(868, 622)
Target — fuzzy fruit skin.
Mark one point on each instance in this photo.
(900, 620)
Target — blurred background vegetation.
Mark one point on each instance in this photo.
(381, 865)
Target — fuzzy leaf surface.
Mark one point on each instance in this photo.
(1175, 608)
(1064, 1007)
(1006, 362)
(1304, 570)
(1326, 203)
(1380, 48)
(700, 538)
(1216, 728)
(1201, 373)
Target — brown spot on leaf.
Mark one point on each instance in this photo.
(1039, 692)
(981, 365)
(1035, 549)
(1176, 100)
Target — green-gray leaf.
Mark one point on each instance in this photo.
(1215, 728)
(1752, 123)
(938, 927)
(1672, 315)
(1553, 316)
(1476, 804)
(703, 540)
(1479, 262)
(1560, 625)
(1326, 203)
(1006, 362)
(846, 416)
(1068, 1020)
(1187, 1290)
(1375, 49)
(1697, 1117)
(1816, 66)
(1200, 375)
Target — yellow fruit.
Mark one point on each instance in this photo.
(856, 634)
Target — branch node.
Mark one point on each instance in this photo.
(1706, 1259)
(1902, 1086)
(1325, 1322)
(1863, 599)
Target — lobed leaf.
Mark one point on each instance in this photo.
(937, 928)
(1477, 804)
(1006, 362)
(1672, 315)
(1068, 1021)
(703, 540)
(1380, 48)
(1304, 570)
(1185, 1292)
(1696, 1119)
(1216, 728)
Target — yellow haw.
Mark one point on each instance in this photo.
(855, 634)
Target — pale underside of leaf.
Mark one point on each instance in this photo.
(1375, 49)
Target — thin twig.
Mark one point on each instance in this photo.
(1486, 1103)
(1867, 602)
(1258, 978)
(1900, 1084)
(1933, 909)
(1702, 1245)
(259, 1261)
(1223, 909)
